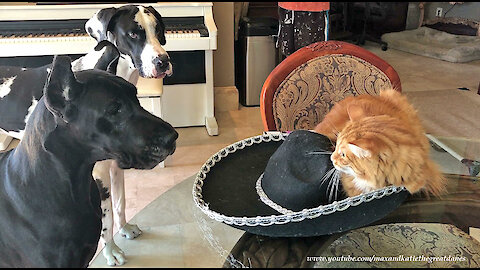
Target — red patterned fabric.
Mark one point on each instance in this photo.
(305, 6)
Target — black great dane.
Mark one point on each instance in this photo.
(50, 211)
(138, 34)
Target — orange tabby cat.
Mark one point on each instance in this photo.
(380, 142)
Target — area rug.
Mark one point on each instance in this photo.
(435, 44)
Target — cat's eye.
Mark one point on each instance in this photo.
(342, 154)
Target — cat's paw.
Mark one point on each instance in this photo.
(130, 231)
(113, 254)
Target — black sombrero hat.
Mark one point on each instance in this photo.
(280, 185)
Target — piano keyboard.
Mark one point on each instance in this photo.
(182, 34)
(50, 36)
(168, 35)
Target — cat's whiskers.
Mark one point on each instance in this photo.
(334, 187)
(329, 188)
(320, 153)
(327, 175)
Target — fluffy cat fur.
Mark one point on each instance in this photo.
(380, 142)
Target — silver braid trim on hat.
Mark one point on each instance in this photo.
(267, 201)
(284, 217)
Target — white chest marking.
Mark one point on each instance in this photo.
(346, 170)
(15, 134)
(126, 69)
(30, 109)
(362, 185)
(88, 61)
(6, 86)
(66, 92)
(19, 134)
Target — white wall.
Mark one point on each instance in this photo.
(467, 10)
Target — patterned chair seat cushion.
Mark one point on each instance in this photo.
(309, 91)
(425, 245)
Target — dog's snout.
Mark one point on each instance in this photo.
(171, 138)
(162, 61)
(166, 139)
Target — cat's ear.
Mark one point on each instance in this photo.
(358, 151)
(355, 112)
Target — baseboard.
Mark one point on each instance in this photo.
(226, 98)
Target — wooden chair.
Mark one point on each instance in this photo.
(303, 88)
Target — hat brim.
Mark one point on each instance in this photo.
(225, 190)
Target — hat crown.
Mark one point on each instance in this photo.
(293, 175)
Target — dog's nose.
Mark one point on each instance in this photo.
(166, 138)
(162, 61)
(163, 142)
(171, 138)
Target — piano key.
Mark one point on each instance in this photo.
(182, 34)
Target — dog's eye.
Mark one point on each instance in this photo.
(133, 35)
(114, 109)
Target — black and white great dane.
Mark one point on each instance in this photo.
(138, 33)
(50, 210)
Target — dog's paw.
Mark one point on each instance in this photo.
(130, 231)
(113, 254)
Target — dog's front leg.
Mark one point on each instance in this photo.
(112, 253)
(117, 177)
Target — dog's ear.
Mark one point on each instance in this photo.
(61, 87)
(109, 59)
(160, 25)
(97, 26)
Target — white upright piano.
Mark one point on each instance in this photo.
(185, 99)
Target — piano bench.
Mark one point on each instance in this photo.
(149, 93)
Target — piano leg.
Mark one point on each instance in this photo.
(210, 121)
(211, 125)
